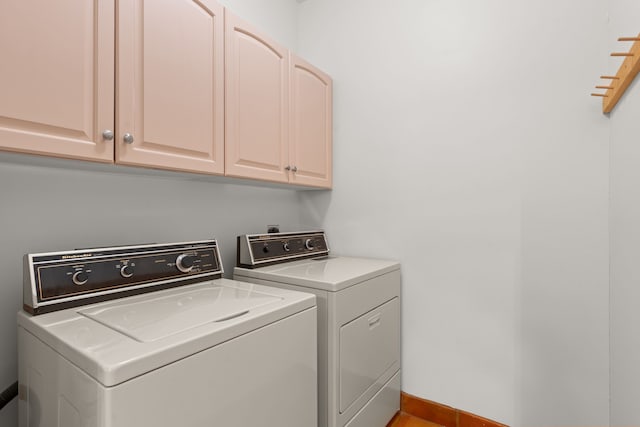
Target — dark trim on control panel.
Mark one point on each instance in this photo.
(260, 250)
(51, 280)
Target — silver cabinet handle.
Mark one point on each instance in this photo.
(128, 138)
(294, 169)
(288, 168)
(107, 135)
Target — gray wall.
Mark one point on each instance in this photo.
(625, 230)
(467, 146)
(55, 205)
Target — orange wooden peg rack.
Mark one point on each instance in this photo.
(623, 78)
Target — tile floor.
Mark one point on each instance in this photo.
(405, 420)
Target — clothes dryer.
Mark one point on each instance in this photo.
(358, 303)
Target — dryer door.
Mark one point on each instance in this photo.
(369, 352)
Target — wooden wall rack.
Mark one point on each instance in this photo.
(623, 78)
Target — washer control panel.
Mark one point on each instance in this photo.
(255, 250)
(59, 280)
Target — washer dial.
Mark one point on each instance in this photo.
(309, 244)
(126, 271)
(80, 278)
(184, 262)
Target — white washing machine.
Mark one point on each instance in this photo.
(358, 321)
(190, 349)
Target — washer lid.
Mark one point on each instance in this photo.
(121, 339)
(329, 274)
(159, 315)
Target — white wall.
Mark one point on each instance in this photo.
(277, 18)
(467, 147)
(625, 229)
(44, 208)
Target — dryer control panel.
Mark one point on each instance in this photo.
(57, 280)
(257, 250)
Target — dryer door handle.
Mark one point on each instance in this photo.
(374, 321)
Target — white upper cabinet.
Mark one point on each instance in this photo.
(56, 78)
(170, 94)
(257, 104)
(57, 81)
(311, 125)
(278, 111)
(168, 84)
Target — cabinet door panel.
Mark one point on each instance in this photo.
(256, 104)
(171, 84)
(56, 77)
(311, 124)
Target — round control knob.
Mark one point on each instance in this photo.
(286, 247)
(80, 278)
(126, 271)
(308, 244)
(265, 248)
(184, 262)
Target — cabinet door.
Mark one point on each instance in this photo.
(56, 77)
(311, 125)
(170, 94)
(256, 104)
